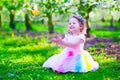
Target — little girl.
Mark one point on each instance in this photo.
(73, 58)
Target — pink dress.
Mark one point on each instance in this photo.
(72, 59)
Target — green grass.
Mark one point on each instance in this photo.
(103, 24)
(21, 58)
(35, 26)
(107, 33)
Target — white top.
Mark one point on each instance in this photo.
(73, 38)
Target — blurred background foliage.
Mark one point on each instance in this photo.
(27, 25)
(98, 13)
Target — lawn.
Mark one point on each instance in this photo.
(21, 58)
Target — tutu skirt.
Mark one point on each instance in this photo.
(71, 60)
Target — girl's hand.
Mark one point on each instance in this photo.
(54, 40)
(57, 40)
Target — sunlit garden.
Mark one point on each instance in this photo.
(26, 27)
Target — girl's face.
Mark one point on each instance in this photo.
(74, 25)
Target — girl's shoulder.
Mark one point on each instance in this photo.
(82, 36)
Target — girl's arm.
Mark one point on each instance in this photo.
(62, 42)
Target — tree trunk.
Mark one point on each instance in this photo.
(0, 17)
(87, 21)
(88, 27)
(0, 21)
(119, 20)
(103, 19)
(112, 22)
(27, 22)
(50, 24)
(12, 15)
(42, 21)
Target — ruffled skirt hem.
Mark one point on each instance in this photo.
(71, 61)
